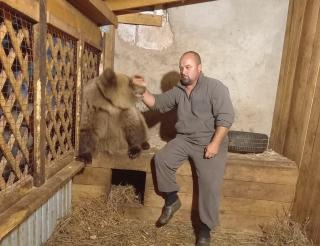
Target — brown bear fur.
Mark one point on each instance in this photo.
(110, 122)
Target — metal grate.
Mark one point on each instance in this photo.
(60, 94)
(16, 97)
(90, 62)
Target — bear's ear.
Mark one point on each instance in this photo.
(108, 77)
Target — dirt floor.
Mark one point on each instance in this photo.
(101, 221)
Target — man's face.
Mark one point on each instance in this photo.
(189, 69)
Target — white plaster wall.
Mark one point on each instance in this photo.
(240, 42)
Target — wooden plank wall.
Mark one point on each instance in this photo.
(39, 226)
(295, 130)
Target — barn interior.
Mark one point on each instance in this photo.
(266, 52)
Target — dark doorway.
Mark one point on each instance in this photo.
(130, 177)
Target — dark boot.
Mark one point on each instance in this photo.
(168, 212)
(204, 235)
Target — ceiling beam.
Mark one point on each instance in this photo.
(116, 5)
(95, 10)
(141, 19)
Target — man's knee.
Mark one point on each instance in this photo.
(212, 179)
(159, 158)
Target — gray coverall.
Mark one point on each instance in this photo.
(207, 107)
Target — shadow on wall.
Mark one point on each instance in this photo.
(167, 120)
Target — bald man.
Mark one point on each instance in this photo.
(205, 114)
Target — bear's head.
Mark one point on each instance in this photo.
(119, 89)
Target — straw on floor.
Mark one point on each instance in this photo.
(101, 221)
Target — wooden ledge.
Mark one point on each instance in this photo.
(21, 210)
(269, 167)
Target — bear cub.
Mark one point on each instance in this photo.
(109, 121)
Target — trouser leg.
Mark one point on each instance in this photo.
(210, 174)
(167, 160)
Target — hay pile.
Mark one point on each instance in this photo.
(284, 231)
(102, 222)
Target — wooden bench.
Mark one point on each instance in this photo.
(256, 187)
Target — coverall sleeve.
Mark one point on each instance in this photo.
(166, 101)
(222, 107)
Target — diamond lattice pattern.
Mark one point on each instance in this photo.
(60, 95)
(16, 107)
(90, 63)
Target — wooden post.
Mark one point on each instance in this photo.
(108, 47)
(40, 34)
(282, 109)
(295, 130)
(306, 73)
(80, 46)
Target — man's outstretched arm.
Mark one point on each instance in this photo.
(147, 98)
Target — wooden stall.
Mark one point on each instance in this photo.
(48, 49)
(255, 189)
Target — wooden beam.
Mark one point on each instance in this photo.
(116, 5)
(306, 74)
(80, 48)
(8, 199)
(40, 78)
(28, 7)
(96, 11)
(108, 49)
(141, 19)
(66, 17)
(282, 111)
(22, 209)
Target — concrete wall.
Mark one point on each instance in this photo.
(240, 42)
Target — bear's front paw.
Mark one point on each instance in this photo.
(134, 152)
(85, 157)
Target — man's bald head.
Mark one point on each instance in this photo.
(190, 68)
(193, 54)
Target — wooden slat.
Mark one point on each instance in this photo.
(82, 191)
(227, 220)
(21, 210)
(274, 140)
(308, 187)
(27, 7)
(64, 16)
(80, 46)
(61, 161)
(304, 83)
(15, 194)
(252, 190)
(258, 172)
(109, 46)
(141, 19)
(96, 11)
(39, 76)
(262, 170)
(297, 133)
(243, 189)
(228, 204)
(287, 71)
(116, 5)
(93, 176)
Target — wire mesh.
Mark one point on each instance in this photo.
(90, 63)
(60, 94)
(16, 97)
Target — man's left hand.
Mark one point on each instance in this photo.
(211, 150)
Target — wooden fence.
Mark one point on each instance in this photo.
(38, 116)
